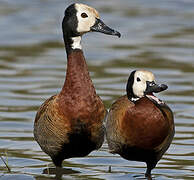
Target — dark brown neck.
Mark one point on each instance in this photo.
(78, 81)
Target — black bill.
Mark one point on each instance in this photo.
(152, 87)
(99, 26)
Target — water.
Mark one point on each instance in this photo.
(156, 35)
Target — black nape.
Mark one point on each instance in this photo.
(129, 86)
(69, 27)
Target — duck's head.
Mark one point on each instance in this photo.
(142, 83)
(80, 19)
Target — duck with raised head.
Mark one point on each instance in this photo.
(140, 127)
(70, 124)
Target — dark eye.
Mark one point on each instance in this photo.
(84, 15)
(138, 79)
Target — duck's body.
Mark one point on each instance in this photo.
(140, 130)
(70, 124)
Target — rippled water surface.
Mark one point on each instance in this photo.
(156, 35)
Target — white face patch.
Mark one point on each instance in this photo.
(139, 84)
(76, 43)
(85, 23)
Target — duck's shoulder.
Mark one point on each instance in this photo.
(149, 104)
(123, 107)
(144, 105)
(120, 107)
(45, 106)
(122, 103)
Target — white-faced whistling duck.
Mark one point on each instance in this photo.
(140, 127)
(70, 124)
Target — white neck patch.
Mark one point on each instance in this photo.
(134, 99)
(76, 42)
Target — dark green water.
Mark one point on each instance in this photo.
(156, 35)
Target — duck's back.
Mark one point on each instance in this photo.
(140, 126)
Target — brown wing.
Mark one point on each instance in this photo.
(114, 122)
(43, 108)
(46, 127)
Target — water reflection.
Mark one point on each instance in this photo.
(157, 36)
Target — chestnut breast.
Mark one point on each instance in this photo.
(144, 125)
(88, 110)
